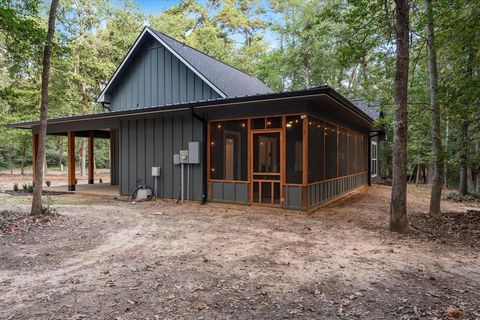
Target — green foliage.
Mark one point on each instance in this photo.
(28, 187)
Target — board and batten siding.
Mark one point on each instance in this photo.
(145, 143)
(156, 77)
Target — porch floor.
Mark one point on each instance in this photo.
(98, 189)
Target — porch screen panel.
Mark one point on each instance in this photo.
(359, 153)
(294, 149)
(362, 153)
(342, 153)
(365, 150)
(228, 150)
(316, 138)
(330, 151)
(352, 167)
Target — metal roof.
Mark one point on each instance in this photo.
(228, 79)
(219, 102)
(372, 110)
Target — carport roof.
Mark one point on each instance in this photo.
(343, 104)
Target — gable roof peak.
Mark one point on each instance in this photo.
(226, 80)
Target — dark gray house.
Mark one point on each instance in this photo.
(214, 133)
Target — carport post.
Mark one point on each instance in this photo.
(34, 153)
(71, 160)
(91, 158)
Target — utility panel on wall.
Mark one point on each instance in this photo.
(194, 152)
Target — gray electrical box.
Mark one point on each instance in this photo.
(155, 171)
(194, 152)
(184, 156)
(176, 159)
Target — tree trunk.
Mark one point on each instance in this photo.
(47, 52)
(463, 185)
(445, 168)
(477, 176)
(398, 206)
(24, 153)
(417, 180)
(10, 155)
(437, 148)
(45, 166)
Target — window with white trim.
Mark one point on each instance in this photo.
(373, 159)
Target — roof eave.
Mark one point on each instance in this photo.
(212, 103)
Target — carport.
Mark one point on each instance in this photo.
(79, 127)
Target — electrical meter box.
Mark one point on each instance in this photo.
(155, 171)
(183, 156)
(176, 159)
(194, 152)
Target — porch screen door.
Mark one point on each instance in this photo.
(266, 167)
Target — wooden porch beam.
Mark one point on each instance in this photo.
(71, 160)
(91, 158)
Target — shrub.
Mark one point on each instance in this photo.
(28, 187)
(15, 187)
(457, 197)
(47, 208)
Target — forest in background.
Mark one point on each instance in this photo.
(349, 46)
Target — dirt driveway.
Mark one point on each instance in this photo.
(106, 259)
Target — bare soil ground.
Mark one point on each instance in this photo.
(107, 259)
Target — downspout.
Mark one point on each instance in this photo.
(204, 154)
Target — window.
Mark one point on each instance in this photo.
(228, 150)
(294, 146)
(374, 154)
(267, 123)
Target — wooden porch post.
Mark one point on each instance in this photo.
(91, 158)
(34, 153)
(71, 161)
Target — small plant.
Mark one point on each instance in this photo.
(47, 208)
(48, 183)
(15, 187)
(27, 187)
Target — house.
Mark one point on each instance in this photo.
(214, 133)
